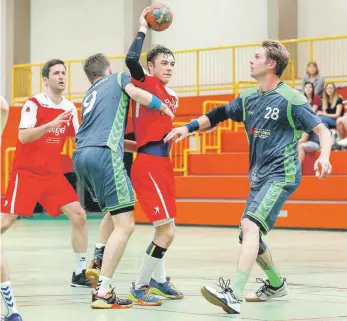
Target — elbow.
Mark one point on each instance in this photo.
(130, 61)
(22, 138)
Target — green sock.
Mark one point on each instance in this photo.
(274, 277)
(239, 283)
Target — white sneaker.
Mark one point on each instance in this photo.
(342, 142)
(224, 299)
(267, 292)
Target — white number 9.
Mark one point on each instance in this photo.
(89, 102)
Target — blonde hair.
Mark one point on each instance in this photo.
(326, 97)
(276, 52)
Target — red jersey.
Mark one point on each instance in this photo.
(42, 156)
(150, 125)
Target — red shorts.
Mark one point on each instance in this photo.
(25, 189)
(153, 180)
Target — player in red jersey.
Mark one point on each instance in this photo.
(152, 172)
(6, 286)
(37, 175)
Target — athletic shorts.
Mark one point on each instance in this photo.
(153, 181)
(25, 189)
(102, 173)
(265, 203)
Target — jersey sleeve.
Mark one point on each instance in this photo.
(234, 109)
(304, 117)
(124, 79)
(28, 115)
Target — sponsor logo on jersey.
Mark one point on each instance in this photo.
(57, 131)
(260, 132)
(171, 103)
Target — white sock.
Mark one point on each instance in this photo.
(159, 273)
(80, 262)
(149, 264)
(100, 245)
(7, 295)
(103, 286)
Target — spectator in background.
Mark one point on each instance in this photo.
(309, 93)
(341, 126)
(332, 107)
(312, 75)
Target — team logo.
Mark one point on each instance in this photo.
(156, 210)
(27, 109)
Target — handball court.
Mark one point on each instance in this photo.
(314, 263)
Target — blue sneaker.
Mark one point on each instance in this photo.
(13, 317)
(142, 296)
(166, 290)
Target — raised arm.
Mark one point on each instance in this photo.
(133, 57)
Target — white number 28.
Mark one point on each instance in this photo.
(272, 113)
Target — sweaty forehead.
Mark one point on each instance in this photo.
(165, 57)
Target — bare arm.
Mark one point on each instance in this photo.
(4, 113)
(325, 141)
(29, 135)
(145, 98)
(130, 146)
(337, 114)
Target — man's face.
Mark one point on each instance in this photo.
(162, 68)
(259, 66)
(56, 80)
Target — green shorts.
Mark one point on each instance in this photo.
(102, 172)
(264, 204)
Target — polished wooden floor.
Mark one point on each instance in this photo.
(315, 264)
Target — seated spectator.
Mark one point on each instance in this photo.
(313, 100)
(308, 143)
(341, 126)
(312, 75)
(332, 107)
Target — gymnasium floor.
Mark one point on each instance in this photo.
(315, 264)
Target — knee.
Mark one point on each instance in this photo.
(78, 217)
(130, 228)
(339, 121)
(166, 233)
(6, 221)
(249, 227)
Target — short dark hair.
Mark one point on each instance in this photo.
(277, 52)
(50, 63)
(95, 66)
(157, 50)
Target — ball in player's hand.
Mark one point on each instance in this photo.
(159, 17)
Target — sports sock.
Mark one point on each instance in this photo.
(153, 256)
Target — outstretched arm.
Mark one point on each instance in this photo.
(134, 53)
(212, 118)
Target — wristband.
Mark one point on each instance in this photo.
(193, 126)
(155, 103)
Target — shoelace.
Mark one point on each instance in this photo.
(148, 295)
(225, 286)
(263, 288)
